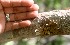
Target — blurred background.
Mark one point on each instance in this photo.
(46, 5)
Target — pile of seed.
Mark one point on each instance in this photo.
(55, 22)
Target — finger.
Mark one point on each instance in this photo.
(19, 9)
(22, 2)
(34, 7)
(14, 10)
(13, 3)
(8, 10)
(16, 25)
(22, 16)
(17, 16)
(27, 2)
(32, 14)
(6, 3)
(16, 3)
(25, 23)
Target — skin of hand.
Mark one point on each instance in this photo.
(20, 11)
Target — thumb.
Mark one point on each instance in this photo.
(2, 19)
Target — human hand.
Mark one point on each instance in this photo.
(20, 11)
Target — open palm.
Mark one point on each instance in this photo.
(20, 11)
